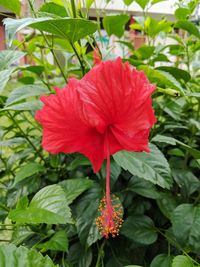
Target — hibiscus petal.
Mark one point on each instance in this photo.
(64, 130)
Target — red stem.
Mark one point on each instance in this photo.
(108, 199)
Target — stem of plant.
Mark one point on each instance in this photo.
(79, 59)
(46, 40)
(100, 253)
(25, 136)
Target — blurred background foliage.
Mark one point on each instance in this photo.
(48, 203)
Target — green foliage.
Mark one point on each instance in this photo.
(11, 5)
(49, 203)
(11, 256)
(115, 24)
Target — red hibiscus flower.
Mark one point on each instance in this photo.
(108, 110)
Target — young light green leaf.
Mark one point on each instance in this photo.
(26, 106)
(8, 57)
(50, 206)
(142, 3)
(12, 5)
(114, 24)
(24, 92)
(53, 8)
(187, 26)
(75, 187)
(67, 28)
(151, 166)
(27, 171)
(182, 261)
(12, 256)
(58, 242)
(4, 78)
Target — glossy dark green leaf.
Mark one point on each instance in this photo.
(58, 242)
(167, 203)
(75, 187)
(151, 166)
(50, 206)
(27, 171)
(11, 5)
(187, 26)
(143, 188)
(114, 24)
(139, 228)
(163, 260)
(185, 224)
(87, 212)
(12, 256)
(187, 181)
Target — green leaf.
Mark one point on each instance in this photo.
(170, 140)
(187, 26)
(87, 212)
(24, 92)
(182, 13)
(12, 5)
(50, 206)
(12, 26)
(53, 8)
(167, 203)
(153, 2)
(176, 72)
(27, 171)
(144, 52)
(187, 181)
(4, 78)
(89, 3)
(133, 266)
(29, 105)
(142, 3)
(153, 27)
(143, 188)
(75, 187)
(12, 256)
(114, 24)
(140, 229)
(162, 260)
(186, 225)
(162, 78)
(8, 57)
(68, 28)
(13, 141)
(182, 261)
(151, 166)
(128, 2)
(35, 69)
(58, 242)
